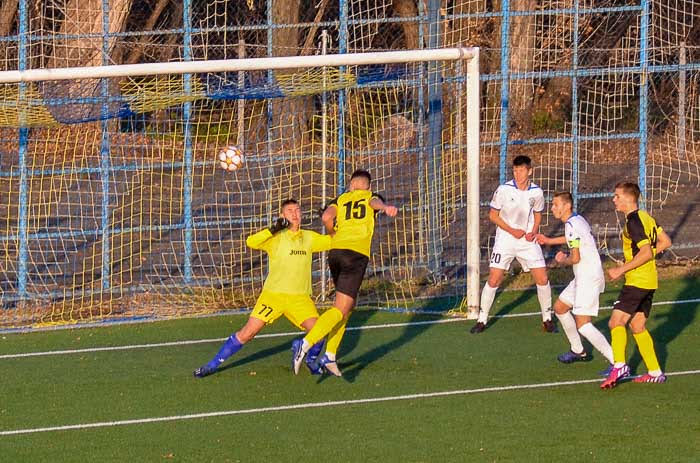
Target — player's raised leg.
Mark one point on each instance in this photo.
(232, 345)
(324, 325)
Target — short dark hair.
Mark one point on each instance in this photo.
(289, 201)
(629, 188)
(361, 173)
(565, 196)
(522, 160)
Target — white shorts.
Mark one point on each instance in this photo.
(583, 297)
(528, 253)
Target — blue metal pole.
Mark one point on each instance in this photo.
(505, 86)
(270, 82)
(105, 162)
(23, 252)
(342, 95)
(434, 138)
(574, 111)
(422, 194)
(643, 102)
(187, 135)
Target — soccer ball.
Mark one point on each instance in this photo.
(230, 158)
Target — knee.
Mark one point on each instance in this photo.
(244, 335)
(637, 326)
(494, 281)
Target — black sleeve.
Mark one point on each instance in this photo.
(635, 228)
(377, 195)
(333, 202)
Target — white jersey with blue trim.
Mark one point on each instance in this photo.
(517, 207)
(578, 235)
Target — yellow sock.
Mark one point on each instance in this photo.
(323, 326)
(646, 349)
(335, 336)
(618, 341)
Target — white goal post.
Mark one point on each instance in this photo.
(468, 54)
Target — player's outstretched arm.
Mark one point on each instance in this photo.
(378, 205)
(550, 241)
(320, 242)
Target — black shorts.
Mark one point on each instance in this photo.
(348, 270)
(632, 300)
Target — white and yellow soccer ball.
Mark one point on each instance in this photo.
(231, 158)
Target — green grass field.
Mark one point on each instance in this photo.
(488, 416)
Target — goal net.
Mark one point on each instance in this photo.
(115, 207)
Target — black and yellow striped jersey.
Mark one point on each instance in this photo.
(640, 229)
(354, 221)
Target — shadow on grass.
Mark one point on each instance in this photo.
(675, 321)
(258, 355)
(353, 368)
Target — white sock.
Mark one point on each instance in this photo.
(655, 373)
(330, 356)
(597, 339)
(544, 295)
(487, 296)
(305, 346)
(569, 324)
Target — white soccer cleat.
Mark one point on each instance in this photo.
(297, 355)
(330, 366)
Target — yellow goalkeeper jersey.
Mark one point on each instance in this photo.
(354, 221)
(640, 229)
(289, 266)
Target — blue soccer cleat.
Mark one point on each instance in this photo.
(571, 357)
(329, 366)
(605, 373)
(297, 355)
(203, 371)
(313, 365)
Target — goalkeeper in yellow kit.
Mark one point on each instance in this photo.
(287, 288)
(350, 220)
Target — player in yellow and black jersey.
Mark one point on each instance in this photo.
(642, 240)
(350, 220)
(287, 288)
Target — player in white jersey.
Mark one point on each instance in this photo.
(580, 297)
(516, 210)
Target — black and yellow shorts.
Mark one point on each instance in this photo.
(633, 299)
(348, 270)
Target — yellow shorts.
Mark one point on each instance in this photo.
(296, 307)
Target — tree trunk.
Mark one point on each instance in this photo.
(408, 9)
(8, 11)
(137, 50)
(522, 47)
(289, 115)
(83, 17)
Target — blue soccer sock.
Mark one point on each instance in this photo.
(230, 347)
(312, 355)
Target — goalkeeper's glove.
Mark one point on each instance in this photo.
(279, 225)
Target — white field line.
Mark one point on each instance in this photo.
(334, 403)
(292, 333)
